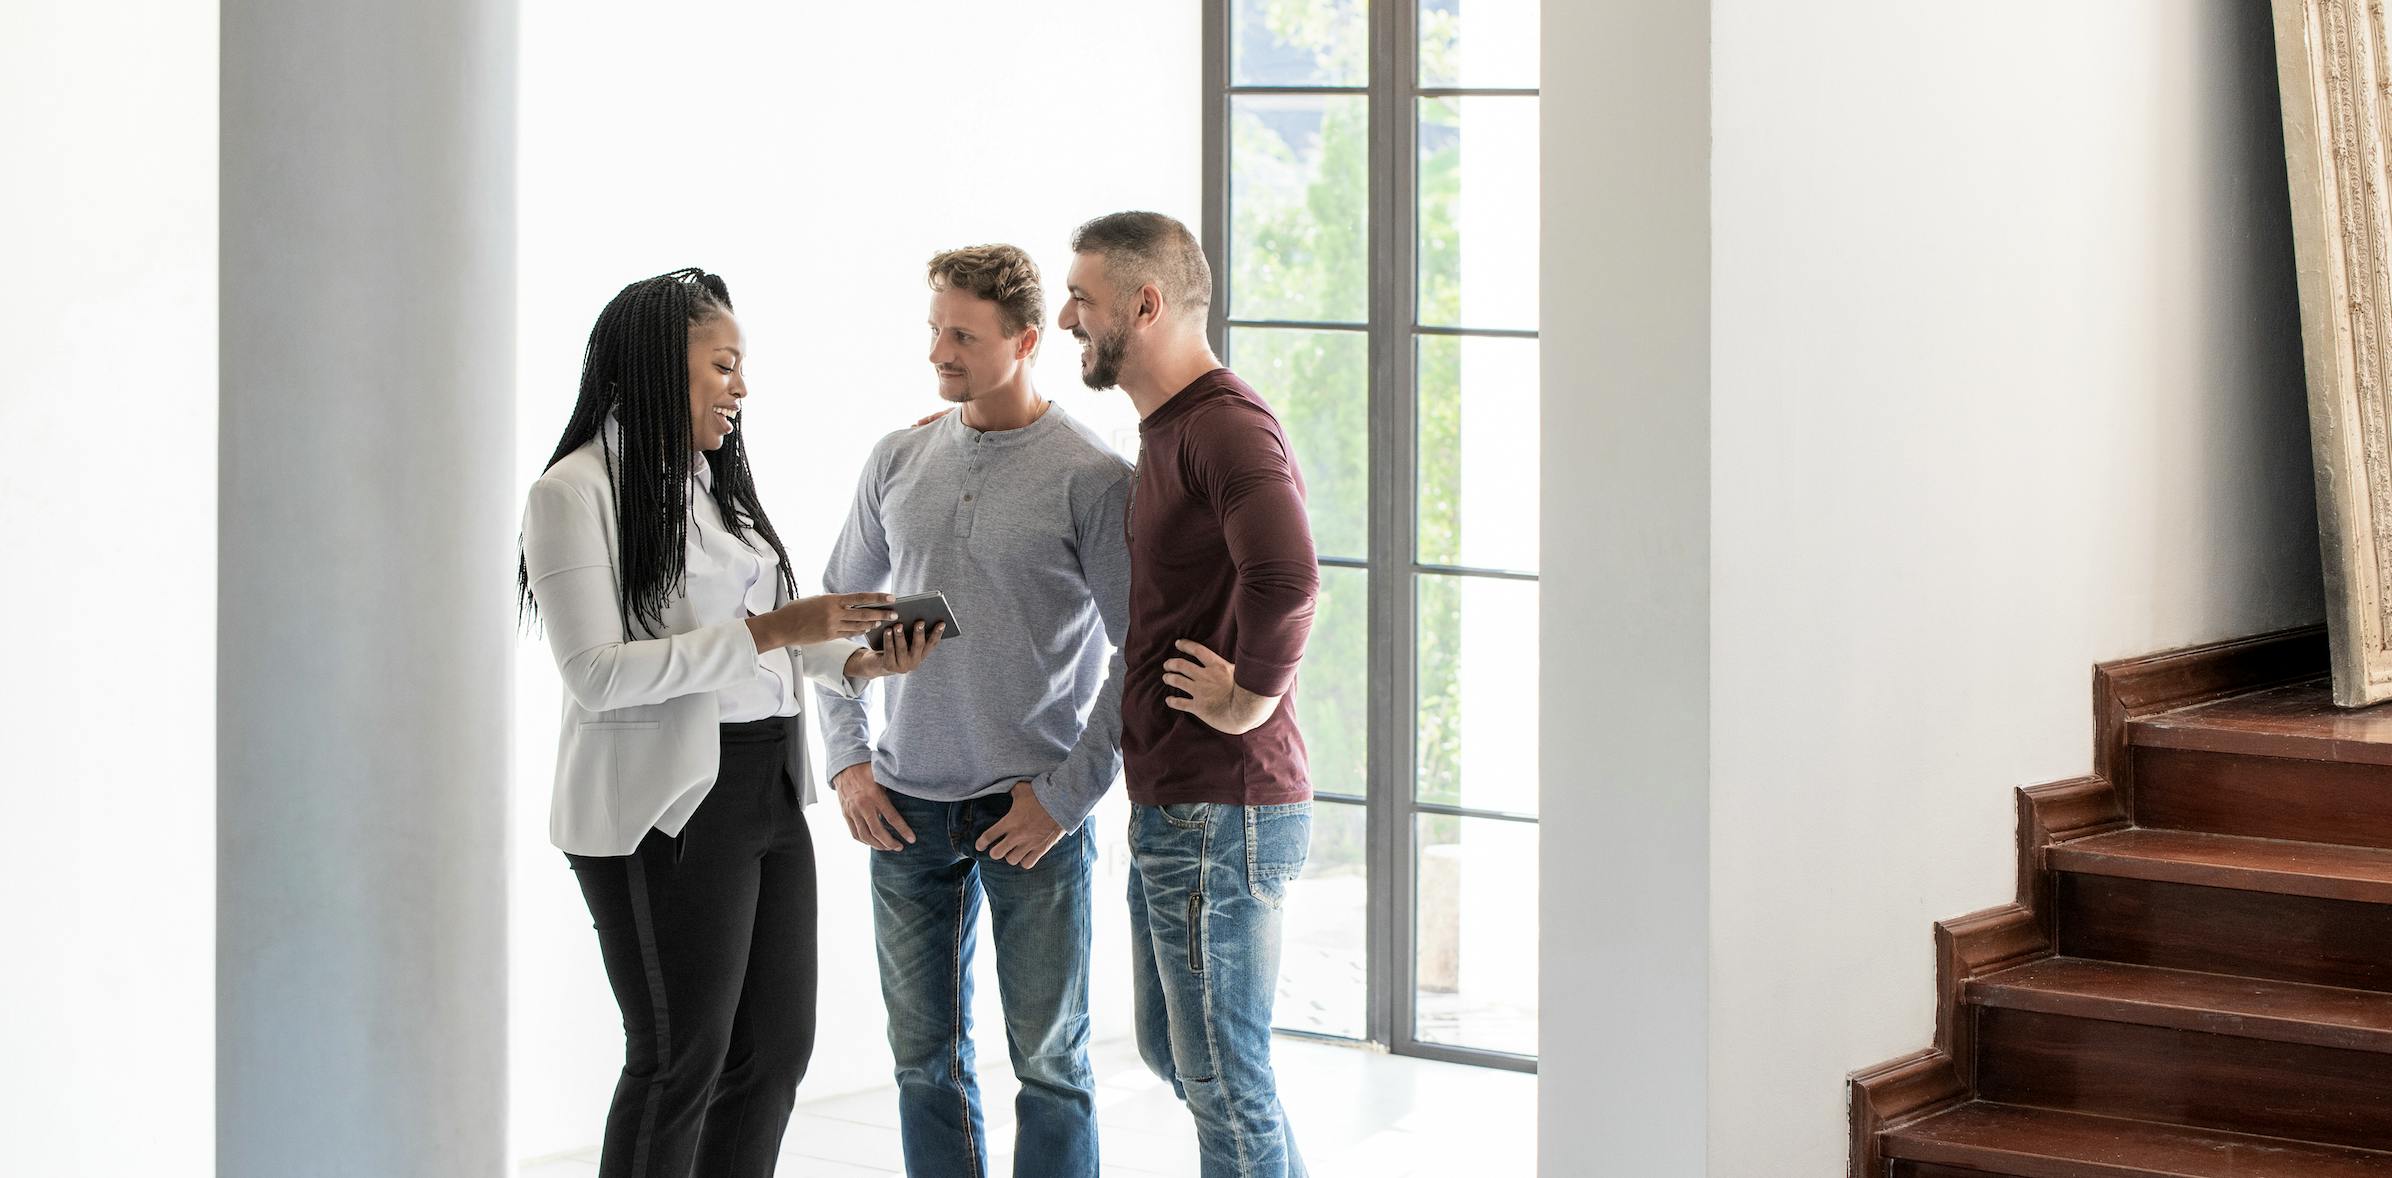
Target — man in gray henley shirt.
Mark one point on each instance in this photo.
(994, 752)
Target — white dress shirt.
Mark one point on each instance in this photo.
(728, 579)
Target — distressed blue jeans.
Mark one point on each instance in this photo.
(925, 911)
(1207, 882)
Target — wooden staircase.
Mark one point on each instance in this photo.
(2196, 978)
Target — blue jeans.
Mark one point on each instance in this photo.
(925, 909)
(1206, 884)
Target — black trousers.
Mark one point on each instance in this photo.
(709, 944)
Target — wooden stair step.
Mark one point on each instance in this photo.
(2293, 720)
(2193, 1079)
(2249, 1008)
(2317, 870)
(2282, 763)
(2046, 1143)
(2296, 799)
(2340, 943)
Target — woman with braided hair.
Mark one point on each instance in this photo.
(681, 770)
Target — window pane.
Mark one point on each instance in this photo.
(1299, 43)
(1299, 208)
(1478, 43)
(1477, 683)
(1318, 382)
(1476, 933)
(1332, 692)
(1477, 452)
(1478, 212)
(1324, 970)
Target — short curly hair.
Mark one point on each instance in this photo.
(1002, 274)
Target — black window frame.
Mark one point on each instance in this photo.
(1391, 803)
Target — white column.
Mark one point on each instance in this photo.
(1624, 695)
(108, 512)
(367, 565)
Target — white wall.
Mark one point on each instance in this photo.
(108, 505)
(367, 549)
(1626, 593)
(2006, 380)
(815, 157)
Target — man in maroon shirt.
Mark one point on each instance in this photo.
(1222, 583)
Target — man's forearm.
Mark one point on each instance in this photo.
(1248, 711)
(846, 733)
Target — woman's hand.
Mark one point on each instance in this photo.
(820, 618)
(900, 651)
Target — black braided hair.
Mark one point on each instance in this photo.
(637, 368)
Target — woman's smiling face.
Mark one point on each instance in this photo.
(717, 379)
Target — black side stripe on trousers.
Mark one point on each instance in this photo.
(636, 876)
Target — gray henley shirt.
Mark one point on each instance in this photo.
(1023, 531)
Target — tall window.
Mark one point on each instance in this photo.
(1371, 212)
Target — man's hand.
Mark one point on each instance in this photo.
(1025, 834)
(900, 651)
(1213, 694)
(870, 818)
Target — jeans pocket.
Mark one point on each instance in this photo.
(1278, 841)
(1187, 815)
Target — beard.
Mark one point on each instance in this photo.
(1104, 370)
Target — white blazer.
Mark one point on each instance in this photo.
(639, 746)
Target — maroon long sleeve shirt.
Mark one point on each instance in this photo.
(1221, 553)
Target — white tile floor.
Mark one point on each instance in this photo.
(1355, 1112)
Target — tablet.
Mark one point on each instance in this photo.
(918, 607)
